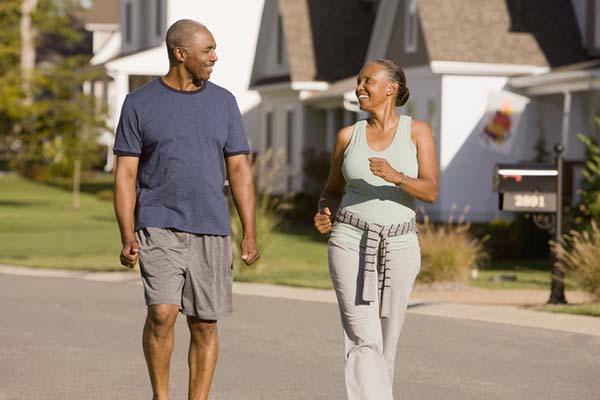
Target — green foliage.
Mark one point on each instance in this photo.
(579, 255)
(61, 124)
(54, 20)
(589, 207)
(9, 34)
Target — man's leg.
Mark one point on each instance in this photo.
(202, 357)
(158, 340)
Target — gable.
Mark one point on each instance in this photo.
(271, 58)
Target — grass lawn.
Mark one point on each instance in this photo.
(40, 229)
(293, 257)
(591, 309)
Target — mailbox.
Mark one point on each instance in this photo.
(526, 187)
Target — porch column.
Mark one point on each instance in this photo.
(566, 119)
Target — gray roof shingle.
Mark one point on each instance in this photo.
(533, 32)
(326, 40)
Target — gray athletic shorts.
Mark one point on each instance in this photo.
(189, 270)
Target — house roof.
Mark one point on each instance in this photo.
(102, 12)
(531, 32)
(326, 40)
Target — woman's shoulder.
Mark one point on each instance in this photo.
(420, 130)
(344, 135)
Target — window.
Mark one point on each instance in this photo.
(268, 131)
(159, 17)
(411, 29)
(127, 22)
(290, 137)
(279, 41)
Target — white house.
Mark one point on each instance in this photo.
(129, 44)
(464, 59)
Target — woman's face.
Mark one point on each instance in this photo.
(374, 87)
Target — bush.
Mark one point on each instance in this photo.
(449, 252)
(105, 195)
(579, 256)
(269, 167)
(519, 238)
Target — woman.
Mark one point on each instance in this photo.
(379, 167)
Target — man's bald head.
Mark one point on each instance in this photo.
(179, 35)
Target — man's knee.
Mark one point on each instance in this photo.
(161, 319)
(202, 330)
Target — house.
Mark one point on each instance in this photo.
(129, 44)
(466, 62)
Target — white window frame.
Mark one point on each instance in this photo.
(411, 26)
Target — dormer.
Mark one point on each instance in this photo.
(271, 62)
(143, 24)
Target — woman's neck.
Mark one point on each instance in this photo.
(384, 118)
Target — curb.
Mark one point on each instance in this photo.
(500, 314)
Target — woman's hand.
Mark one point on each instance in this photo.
(381, 167)
(323, 221)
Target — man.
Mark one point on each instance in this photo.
(176, 136)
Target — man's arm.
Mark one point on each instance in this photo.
(125, 199)
(242, 189)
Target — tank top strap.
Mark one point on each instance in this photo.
(358, 137)
(405, 125)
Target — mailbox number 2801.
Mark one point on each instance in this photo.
(529, 201)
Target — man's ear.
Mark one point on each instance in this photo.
(179, 53)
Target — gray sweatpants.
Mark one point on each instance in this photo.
(370, 342)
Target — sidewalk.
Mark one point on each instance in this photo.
(488, 305)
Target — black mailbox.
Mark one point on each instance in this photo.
(526, 187)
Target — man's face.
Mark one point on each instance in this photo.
(200, 55)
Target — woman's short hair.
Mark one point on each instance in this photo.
(396, 74)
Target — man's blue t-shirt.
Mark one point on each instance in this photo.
(181, 139)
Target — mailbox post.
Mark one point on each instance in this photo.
(535, 189)
(557, 289)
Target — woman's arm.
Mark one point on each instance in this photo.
(334, 189)
(425, 186)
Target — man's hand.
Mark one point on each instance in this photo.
(381, 167)
(249, 251)
(323, 220)
(129, 254)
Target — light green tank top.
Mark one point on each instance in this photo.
(371, 197)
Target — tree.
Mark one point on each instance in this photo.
(45, 119)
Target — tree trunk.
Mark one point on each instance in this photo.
(27, 47)
(76, 183)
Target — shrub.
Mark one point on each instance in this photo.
(269, 168)
(105, 195)
(579, 256)
(448, 251)
(519, 238)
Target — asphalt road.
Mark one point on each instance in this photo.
(74, 339)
